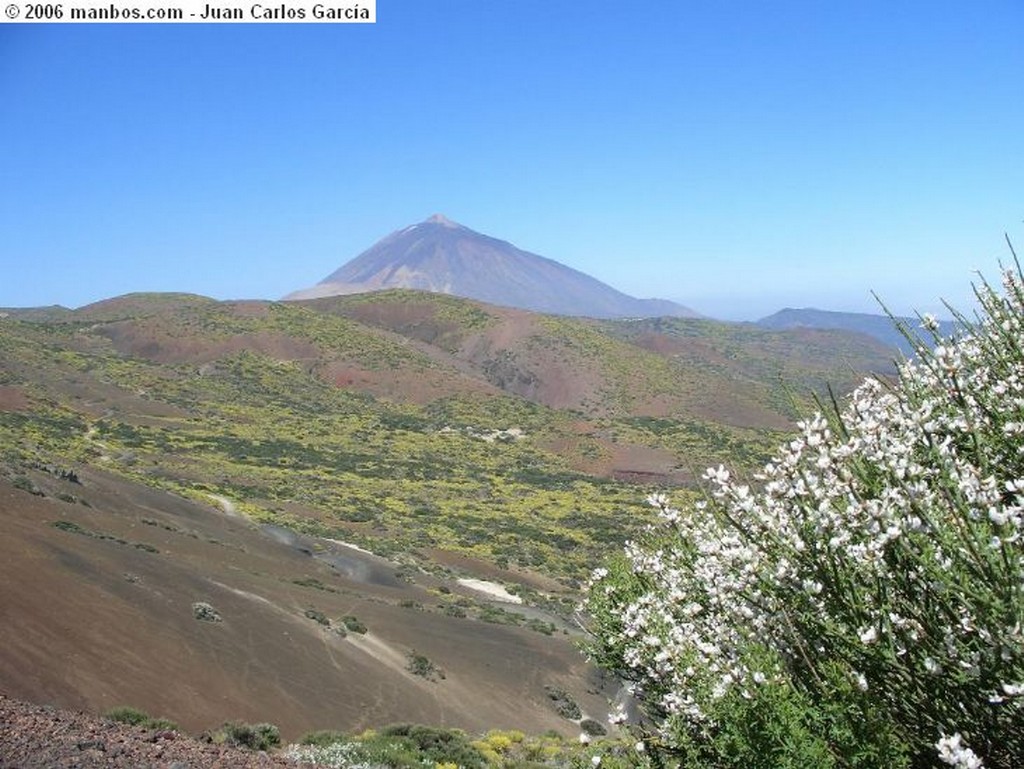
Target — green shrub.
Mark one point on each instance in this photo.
(126, 714)
(564, 704)
(323, 738)
(252, 736)
(318, 616)
(420, 665)
(352, 624)
(592, 727)
(205, 612)
(440, 746)
(24, 483)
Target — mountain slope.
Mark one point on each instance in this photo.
(879, 327)
(441, 256)
(159, 451)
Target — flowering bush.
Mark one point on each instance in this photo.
(863, 605)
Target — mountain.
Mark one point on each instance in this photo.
(880, 327)
(441, 256)
(162, 452)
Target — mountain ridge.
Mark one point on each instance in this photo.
(880, 327)
(442, 256)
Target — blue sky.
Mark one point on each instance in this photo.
(737, 157)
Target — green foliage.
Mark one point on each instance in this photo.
(25, 484)
(323, 737)
(419, 665)
(261, 737)
(441, 746)
(353, 624)
(128, 715)
(563, 703)
(314, 583)
(204, 612)
(318, 616)
(414, 747)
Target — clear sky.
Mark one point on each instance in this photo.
(738, 157)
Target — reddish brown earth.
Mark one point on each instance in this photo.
(92, 623)
(13, 399)
(43, 737)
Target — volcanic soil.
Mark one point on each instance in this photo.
(99, 580)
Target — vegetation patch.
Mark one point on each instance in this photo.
(128, 715)
(318, 616)
(563, 703)
(314, 583)
(353, 624)
(419, 665)
(204, 612)
(74, 528)
(262, 737)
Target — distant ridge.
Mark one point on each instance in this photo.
(442, 256)
(881, 327)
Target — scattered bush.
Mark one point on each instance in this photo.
(126, 714)
(564, 704)
(419, 665)
(24, 483)
(70, 526)
(252, 736)
(129, 715)
(323, 738)
(318, 616)
(441, 746)
(314, 583)
(205, 612)
(352, 624)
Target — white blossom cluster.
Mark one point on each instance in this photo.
(952, 752)
(889, 538)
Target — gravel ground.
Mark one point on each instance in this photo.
(35, 736)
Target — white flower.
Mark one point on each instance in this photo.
(952, 752)
(868, 636)
(619, 716)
